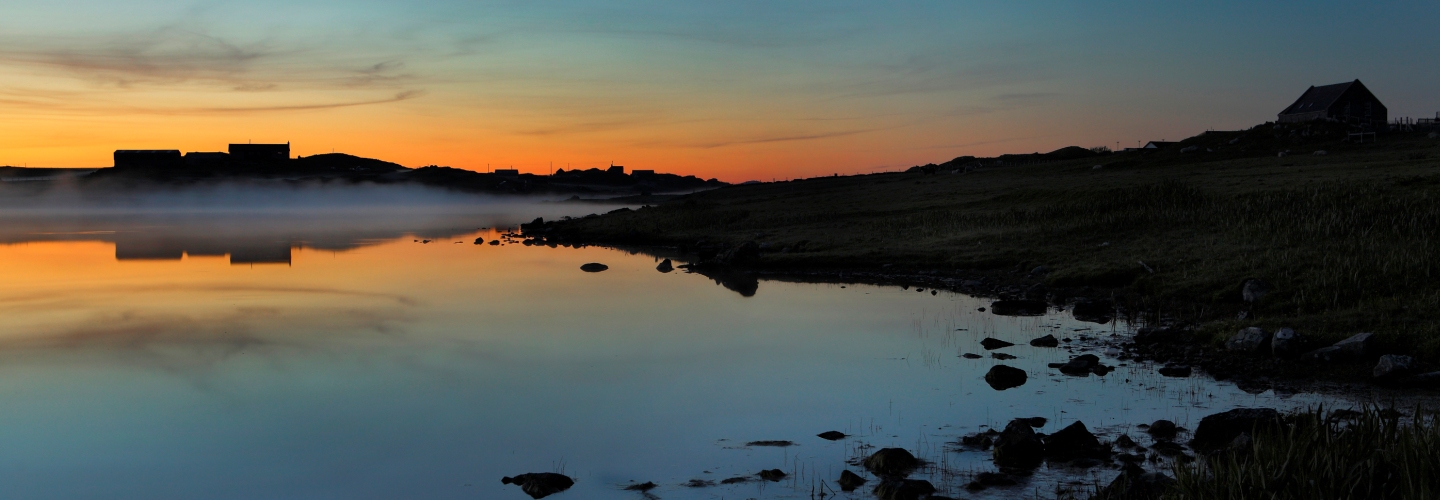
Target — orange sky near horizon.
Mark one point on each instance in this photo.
(736, 91)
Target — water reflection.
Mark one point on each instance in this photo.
(376, 366)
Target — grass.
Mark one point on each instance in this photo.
(1348, 239)
(1375, 455)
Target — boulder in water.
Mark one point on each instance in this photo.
(991, 344)
(594, 267)
(540, 484)
(903, 489)
(665, 266)
(1001, 377)
(850, 480)
(1046, 341)
(891, 462)
(1217, 431)
(1018, 446)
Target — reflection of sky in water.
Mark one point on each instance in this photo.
(406, 370)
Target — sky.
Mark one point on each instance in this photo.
(736, 90)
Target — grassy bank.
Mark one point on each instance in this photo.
(1348, 239)
(1373, 455)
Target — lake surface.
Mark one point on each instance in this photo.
(314, 354)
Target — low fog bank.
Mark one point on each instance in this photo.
(257, 220)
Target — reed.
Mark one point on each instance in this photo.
(1374, 454)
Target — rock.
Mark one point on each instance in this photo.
(772, 475)
(983, 440)
(1354, 348)
(480, 241)
(1074, 441)
(1190, 149)
(540, 484)
(850, 480)
(735, 480)
(1392, 367)
(1040, 270)
(1135, 484)
(699, 483)
(1080, 365)
(741, 254)
(1163, 430)
(645, 486)
(1250, 340)
(772, 443)
(1424, 380)
(971, 355)
(1019, 308)
(594, 267)
(1002, 356)
(1019, 447)
(494, 243)
(1168, 449)
(1093, 311)
(1215, 432)
(831, 435)
(1046, 341)
(1285, 343)
(665, 266)
(1124, 441)
(1001, 377)
(1035, 422)
(891, 462)
(991, 344)
(1253, 290)
(903, 489)
(1174, 370)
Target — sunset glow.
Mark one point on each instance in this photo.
(734, 90)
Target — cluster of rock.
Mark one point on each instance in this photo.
(1082, 366)
(1391, 369)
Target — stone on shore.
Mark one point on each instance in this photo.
(1134, 483)
(1250, 340)
(1392, 367)
(1217, 431)
(1285, 343)
(1352, 349)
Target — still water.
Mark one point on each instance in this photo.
(315, 356)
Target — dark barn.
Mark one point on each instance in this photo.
(132, 158)
(1348, 102)
(257, 153)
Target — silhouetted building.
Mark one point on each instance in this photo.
(1349, 102)
(147, 158)
(507, 172)
(205, 159)
(616, 169)
(257, 153)
(1158, 144)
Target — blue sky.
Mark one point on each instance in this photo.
(729, 89)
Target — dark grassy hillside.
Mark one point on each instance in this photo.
(1347, 238)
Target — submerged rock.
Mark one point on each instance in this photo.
(831, 435)
(1080, 365)
(1001, 377)
(971, 355)
(1018, 446)
(665, 266)
(645, 486)
(991, 344)
(850, 480)
(1174, 370)
(1019, 308)
(1215, 432)
(540, 484)
(1124, 441)
(903, 489)
(891, 462)
(1164, 430)
(594, 267)
(1002, 356)
(772, 475)
(1046, 341)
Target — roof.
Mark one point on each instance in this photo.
(146, 151)
(1319, 98)
(1158, 144)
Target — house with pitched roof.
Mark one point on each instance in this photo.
(1348, 102)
